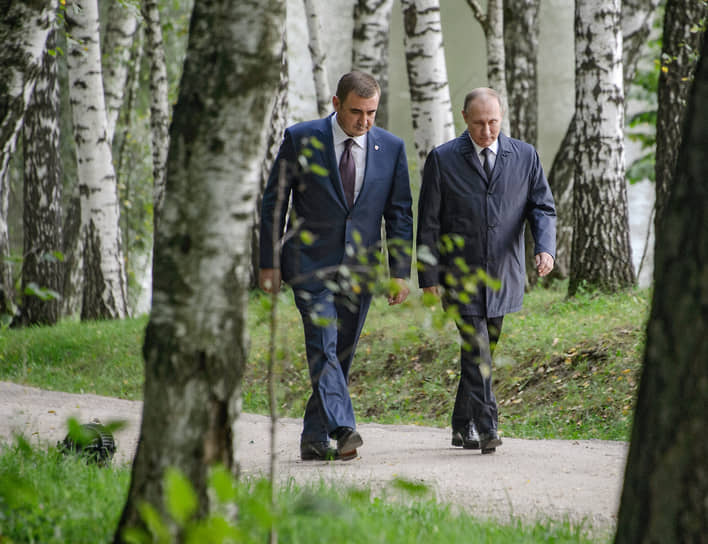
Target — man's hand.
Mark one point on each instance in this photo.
(433, 290)
(544, 263)
(400, 294)
(269, 279)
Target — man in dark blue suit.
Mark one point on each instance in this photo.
(478, 191)
(344, 175)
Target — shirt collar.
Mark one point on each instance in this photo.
(494, 147)
(340, 136)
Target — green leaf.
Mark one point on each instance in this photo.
(318, 170)
(181, 498)
(307, 238)
(156, 526)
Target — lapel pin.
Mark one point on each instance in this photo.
(376, 147)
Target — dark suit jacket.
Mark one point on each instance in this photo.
(319, 206)
(462, 215)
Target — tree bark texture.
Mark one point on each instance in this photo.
(372, 20)
(121, 26)
(42, 214)
(601, 255)
(682, 40)
(159, 101)
(431, 108)
(278, 123)
(196, 341)
(637, 20)
(666, 478)
(24, 28)
(104, 294)
(319, 60)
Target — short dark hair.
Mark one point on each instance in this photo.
(482, 91)
(361, 83)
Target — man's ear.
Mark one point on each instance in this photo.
(335, 103)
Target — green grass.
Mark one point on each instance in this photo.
(49, 498)
(563, 368)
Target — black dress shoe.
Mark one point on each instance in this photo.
(467, 437)
(317, 451)
(348, 440)
(489, 441)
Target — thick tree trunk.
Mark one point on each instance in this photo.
(637, 20)
(195, 343)
(24, 28)
(431, 108)
(681, 41)
(372, 20)
(103, 267)
(121, 26)
(601, 255)
(278, 123)
(159, 101)
(666, 479)
(319, 59)
(42, 225)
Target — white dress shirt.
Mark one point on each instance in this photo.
(358, 152)
(492, 158)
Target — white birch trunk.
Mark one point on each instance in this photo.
(159, 101)
(319, 58)
(431, 108)
(117, 43)
(601, 254)
(493, 25)
(372, 20)
(42, 194)
(24, 28)
(196, 341)
(103, 266)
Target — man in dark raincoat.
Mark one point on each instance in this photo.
(478, 191)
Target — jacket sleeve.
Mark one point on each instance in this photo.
(541, 211)
(398, 214)
(428, 253)
(286, 155)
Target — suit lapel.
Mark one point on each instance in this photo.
(502, 154)
(470, 154)
(372, 150)
(331, 160)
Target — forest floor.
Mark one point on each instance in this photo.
(527, 480)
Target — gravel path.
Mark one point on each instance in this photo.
(579, 480)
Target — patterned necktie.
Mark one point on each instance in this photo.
(487, 163)
(347, 171)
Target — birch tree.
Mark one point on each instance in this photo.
(102, 255)
(159, 101)
(372, 21)
(431, 108)
(42, 236)
(684, 33)
(492, 23)
(24, 28)
(666, 477)
(195, 342)
(637, 20)
(121, 26)
(319, 59)
(601, 253)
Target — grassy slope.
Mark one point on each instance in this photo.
(564, 368)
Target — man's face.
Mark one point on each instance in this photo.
(483, 118)
(356, 114)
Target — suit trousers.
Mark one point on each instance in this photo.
(475, 401)
(332, 323)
